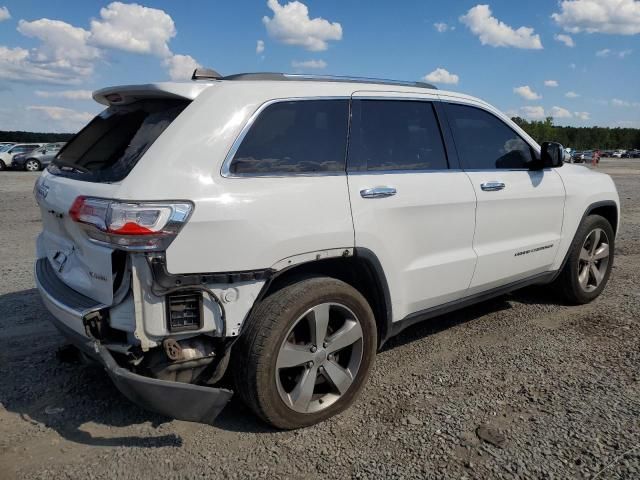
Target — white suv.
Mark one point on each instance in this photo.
(281, 228)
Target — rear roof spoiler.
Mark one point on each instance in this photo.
(124, 94)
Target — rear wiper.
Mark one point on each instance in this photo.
(75, 166)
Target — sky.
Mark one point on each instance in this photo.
(575, 60)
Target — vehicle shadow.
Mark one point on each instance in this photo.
(537, 294)
(78, 401)
(81, 404)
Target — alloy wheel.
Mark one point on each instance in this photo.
(319, 358)
(594, 260)
(32, 165)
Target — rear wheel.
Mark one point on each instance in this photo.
(590, 260)
(2, 165)
(306, 353)
(32, 165)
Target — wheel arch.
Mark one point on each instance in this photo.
(608, 209)
(362, 271)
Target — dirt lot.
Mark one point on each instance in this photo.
(557, 388)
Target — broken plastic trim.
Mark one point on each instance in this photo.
(168, 280)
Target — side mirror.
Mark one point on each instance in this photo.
(552, 155)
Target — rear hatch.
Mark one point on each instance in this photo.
(93, 164)
(83, 265)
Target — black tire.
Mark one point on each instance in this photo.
(567, 283)
(2, 165)
(256, 351)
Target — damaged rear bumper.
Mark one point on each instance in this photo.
(182, 401)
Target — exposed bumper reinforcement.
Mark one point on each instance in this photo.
(182, 401)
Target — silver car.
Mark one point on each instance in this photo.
(38, 158)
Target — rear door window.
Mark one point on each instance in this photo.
(295, 137)
(392, 135)
(108, 148)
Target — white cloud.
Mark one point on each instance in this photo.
(440, 75)
(68, 94)
(133, 28)
(66, 118)
(533, 113)
(180, 67)
(559, 112)
(315, 64)
(606, 52)
(67, 54)
(493, 32)
(571, 95)
(291, 25)
(259, 46)
(566, 39)
(527, 93)
(143, 30)
(441, 27)
(618, 17)
(616, 102)
(62, 56)
(628, 123)
(550, 83)
(582, 115)
(4, 14)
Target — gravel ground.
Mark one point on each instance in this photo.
(516, 387)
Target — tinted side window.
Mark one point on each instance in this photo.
(395, 135)
(303, 136)
(484, 141)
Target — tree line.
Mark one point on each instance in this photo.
(34, 137)
(581, 138)
(578, 138)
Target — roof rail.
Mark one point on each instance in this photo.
(274, 76)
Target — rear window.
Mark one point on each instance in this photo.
(108, 148)
(293, 137)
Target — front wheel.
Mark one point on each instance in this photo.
(588, 266)
(32, 165)
(2, 165)
(306, 353)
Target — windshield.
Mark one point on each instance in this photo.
(4, 148)
(108, 148)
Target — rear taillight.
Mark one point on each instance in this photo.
(147, 226)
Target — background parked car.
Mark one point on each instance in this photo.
(37, 159)
(618, 153)
(577, 157)
(587, 156)
(631, 154)
(6, 157)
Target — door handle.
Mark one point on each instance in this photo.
(378, 192)
(492, 186)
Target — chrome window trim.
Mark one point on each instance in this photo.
(400, 172)
(225, 170)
